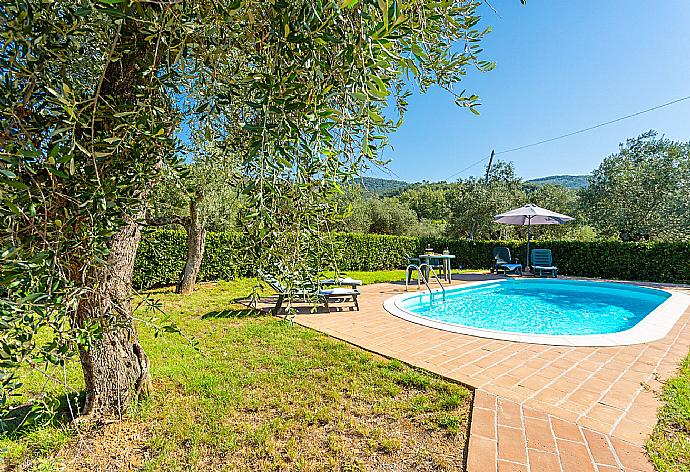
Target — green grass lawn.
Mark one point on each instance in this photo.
(669, 444)
(261, 394)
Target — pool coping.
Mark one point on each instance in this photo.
(656, 325)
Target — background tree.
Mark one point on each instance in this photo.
(640, 193)
(200, 196)
(428, 201)
(382, 216)
(561, 200)
(90, 103)
(473, 203)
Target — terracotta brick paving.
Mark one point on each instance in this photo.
(506, 435)
(536, 407)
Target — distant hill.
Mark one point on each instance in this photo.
(382, 187)
(390, 187)
(570, 181)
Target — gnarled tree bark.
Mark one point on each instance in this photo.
(115, 367)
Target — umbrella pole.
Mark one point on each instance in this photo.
(529, 235)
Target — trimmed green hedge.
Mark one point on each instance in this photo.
(162, 253)
(653, 262)
(371, 252)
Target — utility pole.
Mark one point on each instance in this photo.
(486, 184)
(488, 168)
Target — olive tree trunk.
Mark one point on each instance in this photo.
(196, 241)
(115, 367)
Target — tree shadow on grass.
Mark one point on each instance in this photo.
(234, 313)
(53, 411)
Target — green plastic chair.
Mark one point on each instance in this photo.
(411, 260)
(503, 261)
(542, 262)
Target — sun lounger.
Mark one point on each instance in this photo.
(347, 281)
(503, 261)
(308, 292)
(542, 262)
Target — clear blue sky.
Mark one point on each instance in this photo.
(561, 66)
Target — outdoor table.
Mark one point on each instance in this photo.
(353, 283)
(446, 258)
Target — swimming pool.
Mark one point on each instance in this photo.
(548, 311)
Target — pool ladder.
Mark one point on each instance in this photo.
(420, 276)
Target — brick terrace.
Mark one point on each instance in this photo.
(536, 407)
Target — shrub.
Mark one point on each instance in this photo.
(654, 262)
(161, 256)
(373, 251)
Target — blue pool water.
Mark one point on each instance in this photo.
(541, 306)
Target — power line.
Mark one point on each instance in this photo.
(468, 167)
(583, 130)
(595, 126)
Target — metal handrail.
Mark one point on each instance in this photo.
(420, 276)
(433, 272)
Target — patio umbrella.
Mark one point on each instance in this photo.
(531, 215)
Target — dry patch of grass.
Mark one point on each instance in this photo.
(117, 446)
(262, 394)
